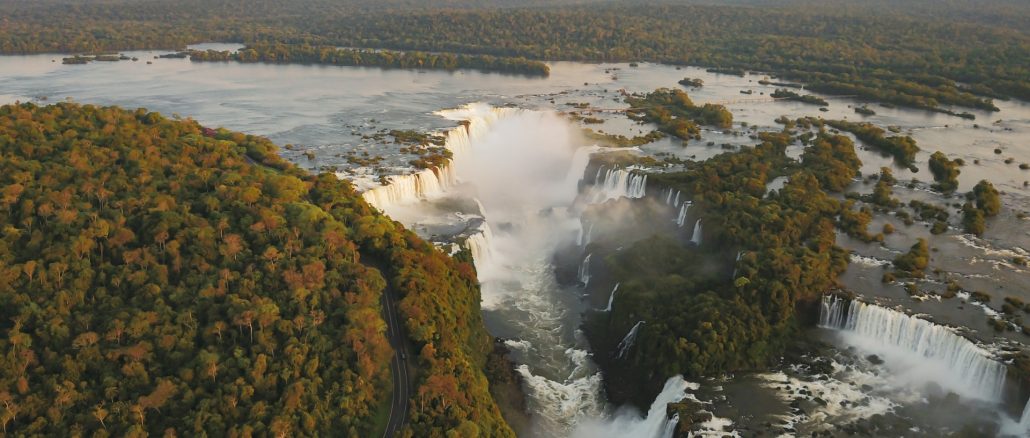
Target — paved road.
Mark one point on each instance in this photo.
(402, 387)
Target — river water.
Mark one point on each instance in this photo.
(519, 185)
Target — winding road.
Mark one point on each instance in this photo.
(402, 387)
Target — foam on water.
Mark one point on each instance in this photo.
(917, 350)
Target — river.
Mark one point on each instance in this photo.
(520, 183)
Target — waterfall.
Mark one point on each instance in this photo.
(577, 169)
(929, 351)
(668, 198)
(478, 243)
(656, 424)
(611, 299)
(696, 237)
(682, 217)
(833, 312)
(1024, 421)
(404, 189)
(628, 340)
(589, 235)
(584, 271)
(676, 202)
(619, 183)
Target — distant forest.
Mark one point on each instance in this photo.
(919, 54)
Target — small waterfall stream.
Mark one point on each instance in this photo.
(695, 237)
(611, 299)
(628, 340)
(584, 271)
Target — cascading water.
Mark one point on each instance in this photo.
(478, 243)
(619, 183)
(611, 299)
(833, 312)
(522, 171)
(526, 174)
(428, 183)
(695, 238)
(682, 217)
(629, 424)
(918, 350)
(1024, 421)
(584, 271)
(628, 340)
(409, 188)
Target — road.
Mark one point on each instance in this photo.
(402, 387)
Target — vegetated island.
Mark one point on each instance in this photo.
(327, 55)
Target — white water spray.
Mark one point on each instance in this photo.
(628, 423)
(918, 350)
(620, 183)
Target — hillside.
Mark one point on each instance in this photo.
(161, 278)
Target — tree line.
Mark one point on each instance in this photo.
(903, 59)
(278, 53)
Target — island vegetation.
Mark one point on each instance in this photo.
(785, 94)
(730, 304)
(902, 148)
(945, 172)
(984, 202)
(278, 53)
(675, 114)
(165, 279)
(960, 56)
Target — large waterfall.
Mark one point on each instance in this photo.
(629, 424)
(412, 187)
(524, 171)
(478, 244)
(476, 121)
(619, 183)
(917, 349)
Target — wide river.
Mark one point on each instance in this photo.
(328, 113)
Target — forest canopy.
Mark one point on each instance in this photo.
(932, 57)
(158, 277)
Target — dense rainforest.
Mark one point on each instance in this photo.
(165, 279)
(729, 304)
(885, 52)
